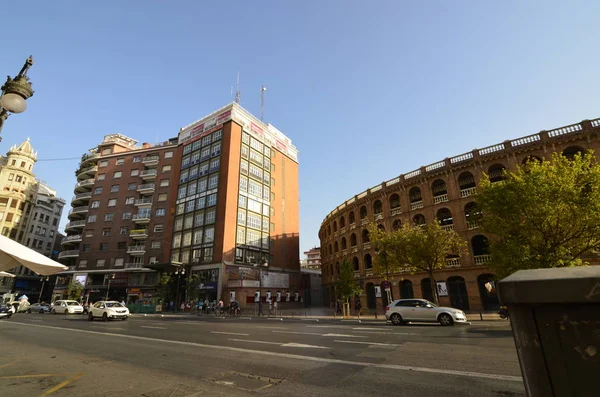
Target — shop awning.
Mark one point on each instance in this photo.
(13, 254)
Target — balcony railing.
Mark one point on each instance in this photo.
(366, 246)
(442, 198)
(416, 205)
(143, 217)
(75, 238)
(68, 254)
(453, 262)
(364, 221)
(148, 174)
(467, 192)
(146, 188)
(472, 225)
(354, 250)
(85, 183)
(138, 233)
(344, 252)
(378, 216)
(87, 171)
(448, 227)
(481, 259)
(82, 196)
(144, 202)
(352, 226)
(79, 210)
(396, 211)
(136, 249)
(75, 224)
(150, 160)
(134, 265)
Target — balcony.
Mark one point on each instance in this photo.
(138, 233)
(136, 249)
(82, 186)
(81, 210)
(75, 238)
(366, 246)
(442, 198)
(353, 250)
(344, 252)
(81, 197)
(147, 188)
(396, 211)
(141, 218)
(150, 161)
(472, 225)
(68, 254)
(90, 157)
(132, 266)
(75, 225)
(148, 175)
(452, 262)
(416, 205)
(364, 221)
(467, 192)
(378, 216)
(87, 173)
(352, 226)
(481, 259)
(448, 227)
(144, 202)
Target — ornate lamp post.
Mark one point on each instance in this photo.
(261, 264)
(43, 279)
(179, 272)
(15, 93)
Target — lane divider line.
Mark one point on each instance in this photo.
(228, 333)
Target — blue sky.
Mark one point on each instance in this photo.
(365, 90)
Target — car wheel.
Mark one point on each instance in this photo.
(124, 318)
(445, 319)
(53, 311)
(90, 317)
(396, 319)
(104, 317)
(66, 311)
(41, 311)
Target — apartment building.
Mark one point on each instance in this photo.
(313, 259)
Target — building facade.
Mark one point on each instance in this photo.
(312, 259)
(441, 191)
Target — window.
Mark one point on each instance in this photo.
(119, 262)
(254, 221)
(241, 220)
(189, 206)
(180, 209)
(267, 151)
(155, 244)
(215, 164)
(129, 200)
(194, 172)
(211, 200)
(178, 224)
(101, 177)
(114, 188)
(255, 144)
(255, 188)
(86, 247)
(158, 228)
(117, 175)
(210, 217)
(126, 215)
(205, 153)
(245, 151)
(160, 212)
(98, 190)
(244, 167)
(166, 168)
(217, 135)
(176, 240)
(183, 177)
(109, 217)
(168, 155)
(92, 218)
(256, 172)
(100, 262)
(256, 157)
(240, 235)
(216, 149)
(265, 210)
(206, 140)
(132, 186)
(105, 232)
(187, 149)
(112, 202)
(103, 163)
(199, 219)
(200, 203)
(208, 254)
(254, 205)
(209, 235)
(202, 183)
(89, 233)
(137, 159)
(253, 238)
(135, 172)
(243, 184)
(164, 182)
(187, 238)
(83, 263)
(185, 161)
(120, 161)
(103, 246)
(195, 158)
(198, 234)
(182, 192)
(95, 204)
(242, 201)
(124, 231)
(204, 168)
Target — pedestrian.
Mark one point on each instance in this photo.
(123, 302)
(220, 306)
(357, 306)
(199, 306)
(270, 307)
(182, 307)
(275, 306)
(338, 306)
(172, 306)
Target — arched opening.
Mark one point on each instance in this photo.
(394, 201)
(397, 224)
(406, 289)
(496, 172)
(444, 216)
(344, 245)
(377, 207)
(480, 245)
(381, 227)
(439, 190)
(328, 230)
(336, 247)
(337, 268)
(457, 290)
(472, 214)
(371, 300)
(426, 289)
(363, 212)
(488, 292)
(529, 159)
(351, 218)
(330, 249)
(466, 180)
(414, 196)
(571, 151)
(334, 226)
(365, 236)
(368, 261)
(353, 240)
(355, 264)
(419, 220)
(342, 222)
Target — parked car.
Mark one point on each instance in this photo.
(6, 310)
(39, 308)
(108, 310)
(402, 311)
(66, 307)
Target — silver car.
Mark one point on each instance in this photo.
(402, 311)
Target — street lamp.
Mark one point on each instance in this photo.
(179, 272)
(261, 264)
(15, 93)
(109, 277)
(43, 280)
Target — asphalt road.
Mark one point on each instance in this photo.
(195, 356)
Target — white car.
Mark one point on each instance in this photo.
(108, 310)
(66, 307)
(402, 311)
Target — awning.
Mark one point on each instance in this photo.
(13, 254)
(167, 267)
(4, 274)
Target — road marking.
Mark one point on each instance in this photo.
(367, 343)
(368, 329)
(386, 333)
(305, 346)
(32, 376)
(282, 344)
(317, 334)
(271, 327)
(326, 326)
(9, 364)
(256, 341)
(61, 385)
(228, 333)
(147, 326)
(394, 367)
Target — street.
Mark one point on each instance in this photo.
(195, 356)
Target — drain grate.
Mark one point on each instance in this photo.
(243, 381)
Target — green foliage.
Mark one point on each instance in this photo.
(544, 215)
(347, 285)
(75, 290)
(192, 287)
(415, 248)
(164, 286)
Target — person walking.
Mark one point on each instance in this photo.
(357, 306)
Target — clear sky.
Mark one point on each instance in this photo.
(366, 90)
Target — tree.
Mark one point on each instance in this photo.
(75, 290)
(418, 248)
(546, 214)
(346, 285)
(164, 286)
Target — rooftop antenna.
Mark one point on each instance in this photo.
(262, 102)
(238, 94)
